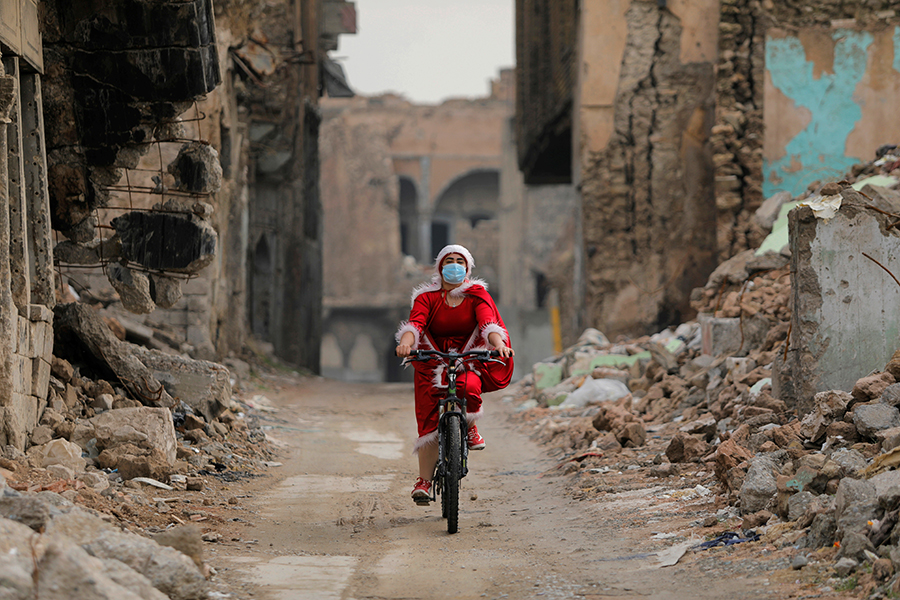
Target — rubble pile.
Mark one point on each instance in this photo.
(697, 402)
(122, 482)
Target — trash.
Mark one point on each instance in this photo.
(729, 538)
(824, 207)
(670, 557)
(153, 482)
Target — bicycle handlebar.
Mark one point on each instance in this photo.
(485, 355)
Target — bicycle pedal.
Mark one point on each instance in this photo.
(422, 501)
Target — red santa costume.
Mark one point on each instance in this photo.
(437, 325)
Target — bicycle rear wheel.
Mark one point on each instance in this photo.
(452, 472)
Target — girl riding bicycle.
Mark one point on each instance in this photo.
(452, 313)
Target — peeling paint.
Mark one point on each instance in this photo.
(819, 148)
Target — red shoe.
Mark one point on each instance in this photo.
(476, 442)
(421, 493)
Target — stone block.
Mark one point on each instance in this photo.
(22, 378)
(23, 340)
(40, 373)
(39, 312)
(197, 286)
(197, 335)
(133, 288)
(42, 340)
(203, 385)
(720, 336)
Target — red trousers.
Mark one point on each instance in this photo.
(468, 386)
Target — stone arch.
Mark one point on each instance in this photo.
(466, 212)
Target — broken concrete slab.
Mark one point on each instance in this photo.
(133, 288)
(83, 322)
(843, 317)
(166, 241)
(203, 385)
(166, 291)
(197, 169)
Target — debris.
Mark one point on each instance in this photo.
(153, 482)
(729, 538)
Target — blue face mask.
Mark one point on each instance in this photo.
(454, 273)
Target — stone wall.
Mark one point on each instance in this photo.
(26, 275)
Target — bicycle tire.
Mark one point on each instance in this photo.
(452, 472)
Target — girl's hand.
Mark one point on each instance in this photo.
(403, 350)
(506, 351)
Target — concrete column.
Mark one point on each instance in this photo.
(425, 211)
(34, 150)
(18, 224)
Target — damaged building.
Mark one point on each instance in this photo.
(404, 180)
(675, 120)
(162, 187)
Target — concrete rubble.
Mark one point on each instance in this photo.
(717, 402)
(112, 496)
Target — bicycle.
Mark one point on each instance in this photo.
(453, 449)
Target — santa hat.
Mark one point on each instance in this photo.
(457, 249)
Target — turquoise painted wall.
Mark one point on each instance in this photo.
(819, 148)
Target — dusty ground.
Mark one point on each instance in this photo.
(335, 520)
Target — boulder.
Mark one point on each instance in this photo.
(66, 571)
(133, 288)
(595, 390)
(854, 545)
(821, 531)
(728, 456)
(872, 386)
(197, 169)
(165, 291)
(145, 427)
(871, 418)
(169, 571)
(891, 394)
(760, 487)
(30, 511)
(849, 460)
(798, 504)
(61, 452)
(686, 448)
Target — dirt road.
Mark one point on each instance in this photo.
(337, 521)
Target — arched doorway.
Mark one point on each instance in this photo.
(409, 217)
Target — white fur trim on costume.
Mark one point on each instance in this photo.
(454, 248)
(428, 438)
(429, 286)
(437, 380)
(490, 328)
(472, 417)
(407, 326)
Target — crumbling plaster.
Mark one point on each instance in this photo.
(648, 204)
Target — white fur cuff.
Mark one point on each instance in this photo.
(407, 326)
(494, 328)
(428, 438)
(472, 417)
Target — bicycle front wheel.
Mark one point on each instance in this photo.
(452, 471)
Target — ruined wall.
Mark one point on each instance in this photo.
(803, 93)
(26, 277)
(843, 304)
(737, 137)
(444, 162)
(546, 75)
(827, 99)
(644, 161)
